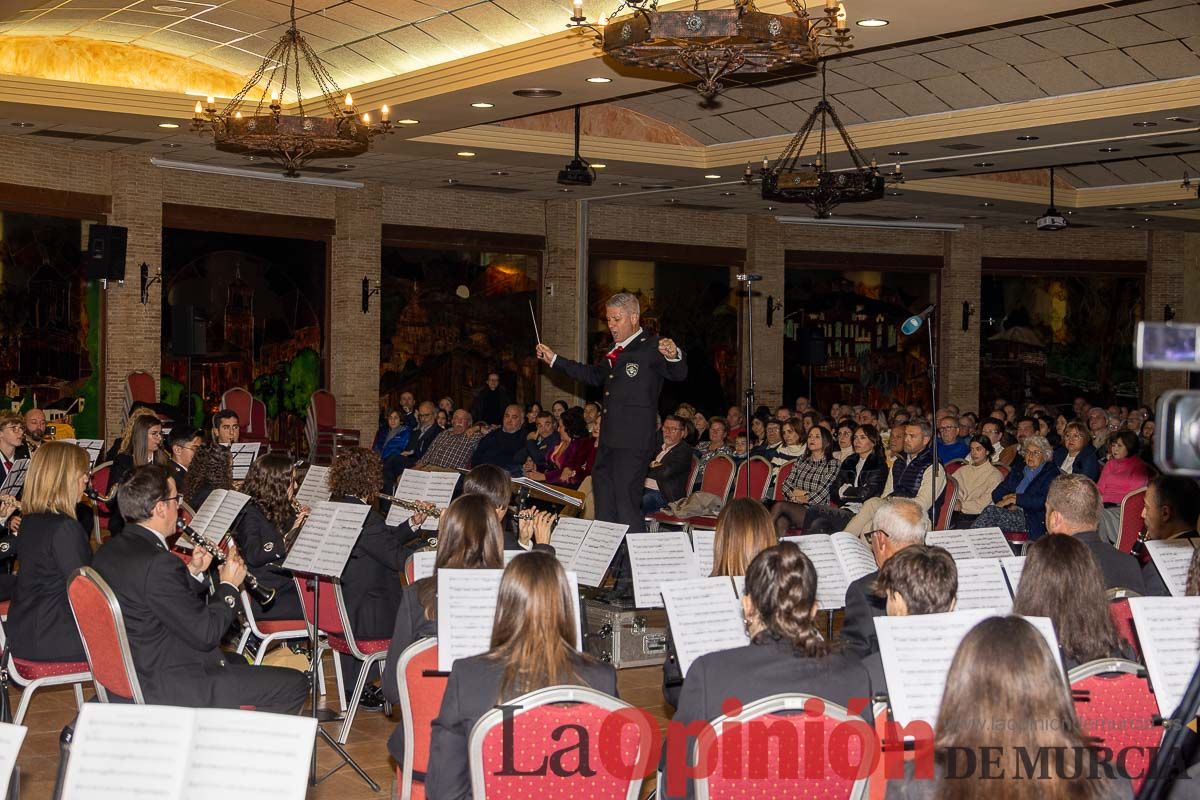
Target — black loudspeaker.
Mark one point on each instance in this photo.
(106, 252)
(188, 332)
(811, 343)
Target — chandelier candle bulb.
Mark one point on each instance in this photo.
(199, 108)
(577, 6)
(366, 119)
(384, 113)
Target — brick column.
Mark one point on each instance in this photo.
(764, 256)
(564, 297)
(1168, 253)
(132, 331)
(353, 335)
(958, 350)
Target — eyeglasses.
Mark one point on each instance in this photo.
(175, 498)
(870, 535)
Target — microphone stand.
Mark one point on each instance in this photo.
(747, 280)
(926, 318)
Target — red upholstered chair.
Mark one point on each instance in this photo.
(1122, 617)
(1131, 519)
(946, 504)
(4, 610)
(1114, 704)
(420, 702)
(759, 470)
(718, 478)
(258, 420)
(538, 714)
(241, 402)
(1003, 469)
(99, 476)
(335, 624)
(33, 675)
(324, 438)
(102, 628)
(951, 467)
(785, 776)
(781, 478)
(268, 631)
(139, 387)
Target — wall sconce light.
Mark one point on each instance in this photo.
(1168, 312)
(367, 293)
(147, 281)
(773, 305)
(967, 311)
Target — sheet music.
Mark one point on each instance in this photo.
(596, 551)
(324, 543)
(11, 737)
(468, 596)
(832, 583)
(315, 488)
(423, 563)
(981, 584)
(216, 516)
(243, 454)
(94, 448)
(567, 536)
(739, 584)
(509, 555)
(973, 543)
(1172, 559)
(702, 545)
(957, 545)
(1169, 630)
(917, 652)
(424, 486)
(1013, 567)
(14, 481)
(855, 555)
(203, 754)
(657, 558)
(706, 616)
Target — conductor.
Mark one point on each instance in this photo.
(632, 374)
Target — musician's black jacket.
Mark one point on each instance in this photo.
(371, 579)
(40, 625)
(262, 547)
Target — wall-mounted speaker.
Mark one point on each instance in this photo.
(105, 255)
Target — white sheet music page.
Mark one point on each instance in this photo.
(509, 555)
(1172, 559)
(423, 563)
(243, 454)
(221, 520)
(953, 541)
(411, 486)
(11, 737)
(249, 754)
(988, 543)
(1013, 566)
(205, 513)
(567, 536)
(739, 585)
(596, 551)
(855, 555)
(338, 542)
(702, 545)
(831, 577)
(315, 488)
(706, 616)
(656, 558)
(468, 597)
(424, 486)
(14, 481)
(981, 584)
(121, 746)
(94, 448)
(1169, 630)
(308, 540)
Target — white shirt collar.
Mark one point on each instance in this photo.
(157, 535)
(628, 341)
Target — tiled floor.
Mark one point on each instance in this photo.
(53, 708)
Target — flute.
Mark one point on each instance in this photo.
(416, 506)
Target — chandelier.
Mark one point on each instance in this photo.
(712, 43)
(290, 140)
(813, 183)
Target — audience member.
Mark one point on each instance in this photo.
(423, 435)
(1019, 501)
(490, 401)
(911, 475)
(1123, 473)
(390, 443)
(949, 446)
(1073, 509)
(666, 480)
(976, 481)
(571, 459)
(500, 446)
(717, 445)
(545, 437)
(861, 477)
(453, 448)
(1076, 456)
(809, 483)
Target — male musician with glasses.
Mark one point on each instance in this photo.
(174, 627)
(181, 449)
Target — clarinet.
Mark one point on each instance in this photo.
(261, 594)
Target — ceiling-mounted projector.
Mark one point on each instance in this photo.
(1051, 220)
(578, 172)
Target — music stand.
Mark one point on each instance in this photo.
(320, 551)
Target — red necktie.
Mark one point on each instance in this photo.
(7, 465)
(612, 356)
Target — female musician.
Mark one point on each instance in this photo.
(142, 446)
(371, 579)
(211, 469)
(533, 646)
(53, 545)
(119, 443)
(260, 529)
(469, 537)
(531, 531)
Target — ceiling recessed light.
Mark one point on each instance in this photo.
(1184, 120)
(985, 163)
(500, 172)
(599, 166)
(168, 124)
(917, 216)
(871, 23)
(1027, 138)
(407, 121)
(1175, 204)
(1133, 226)
(252, 158)
(169, 9)
(482, 105)
(770, 208)
(974, 216)
(620, 183)
(1070, 213)
(987, 204)
(713, 177)
(895, 194)
(672, 200)
(1110, 149)
(21, 124)
(465, 154)
(345, 166)
(599, 79)
(567, 191)
(898, 153)
(1145, 124)
(1146, 219)
(172, 145)
(726, 194)
(451, 181)
(535, 94)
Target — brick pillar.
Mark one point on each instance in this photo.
(764, 256)
(1168, 253)
(564, 297)
(958, 350)
(353, 335)
(132, 331)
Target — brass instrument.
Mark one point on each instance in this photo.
(261, 594)
(416, 507)
(91, 494)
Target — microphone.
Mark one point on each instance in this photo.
(913, 323)
(747, 278)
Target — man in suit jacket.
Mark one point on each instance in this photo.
(666, 479)
(1073, 509)
(423, 434)
(535, 450)
(174, 628)
(1170, 512)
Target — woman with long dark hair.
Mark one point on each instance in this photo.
(861, 476)
(533, 646)
(809, 483)
(142, 446)
(571, 459)
(260, 530)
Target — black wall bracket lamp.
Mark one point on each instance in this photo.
(147, 281)
(968, 310)
(773, 305)
(368, 293)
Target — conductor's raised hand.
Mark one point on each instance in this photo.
(668, 349)
(233, 571)
(545, 354)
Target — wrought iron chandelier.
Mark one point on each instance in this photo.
(712, 43)
(813, 183)
(290, 140)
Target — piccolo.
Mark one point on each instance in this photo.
(263, 595)
(415, 506)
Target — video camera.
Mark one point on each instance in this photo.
(1173, 346)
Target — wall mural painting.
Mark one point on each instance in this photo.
(243, 311)
(450, 316)
(49, 323)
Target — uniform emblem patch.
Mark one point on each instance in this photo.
(631, 370)
(229, 601)
(269, 546)
(4, 547)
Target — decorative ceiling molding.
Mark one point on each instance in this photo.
(605, 121)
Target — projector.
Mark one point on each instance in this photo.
(577, 173)
(1051, 220)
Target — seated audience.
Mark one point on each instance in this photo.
(773, 433)
(994, 431)
(531, 414)
(571, 459)
(543, 440)
(809, 484)
(843, 434)
(949, 446)
(976, 480)
(911, 474)
(1123, 473)
(211, 469)
(1076, 456)
(1073, 509)
(717, 445)
(261, 528)
(226, 427)
(422, 435)
(1019, 502)
(453, 448)
(861, 477)
(1098, 429)
(1172, 507)
(794, 443)
(666, 480)
(390, 443)
(490, 401)
(500, 446)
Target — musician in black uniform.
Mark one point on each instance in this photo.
(181, 448)
(143, 446)
(632, 374)
(174, 627)
(260, 528)
(12, 450)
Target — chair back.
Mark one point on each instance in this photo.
(782, 759)
(1131, 519)
(139, 387)
(718, 475)
(781, 478)
(420, 702)
(100, 476)
(102, 629)
(530, 733)
(759, 470)
(946, 503)
(323, 408)
(1114, 704)
(410, 570)
(258, 419)
(952, 466)
(331, 621)
(1003, 470)
(1122, 617)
